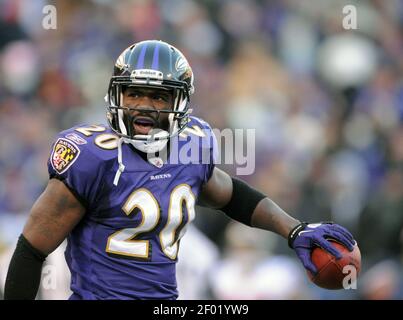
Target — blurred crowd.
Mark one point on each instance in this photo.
(326, 103)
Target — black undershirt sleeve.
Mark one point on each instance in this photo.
(24, 272)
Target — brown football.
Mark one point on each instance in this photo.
(331, 271)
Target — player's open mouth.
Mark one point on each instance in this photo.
(143, 125)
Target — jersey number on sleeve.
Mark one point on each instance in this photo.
(107, 141)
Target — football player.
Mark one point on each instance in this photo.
(124, 206)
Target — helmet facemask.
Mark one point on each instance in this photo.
(122, 122)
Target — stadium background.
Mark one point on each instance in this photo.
(326, 103)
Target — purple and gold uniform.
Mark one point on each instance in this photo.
(126, 245)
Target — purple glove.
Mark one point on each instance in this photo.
(305, 237)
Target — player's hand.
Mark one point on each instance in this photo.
(304, 237)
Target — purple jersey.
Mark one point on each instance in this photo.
(126, 245)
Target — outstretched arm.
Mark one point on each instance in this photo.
(249, 206)
(218, 193)
(53, 216)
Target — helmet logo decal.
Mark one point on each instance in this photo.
(120, 63)
(181, 64)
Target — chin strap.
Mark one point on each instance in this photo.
(120, 161)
